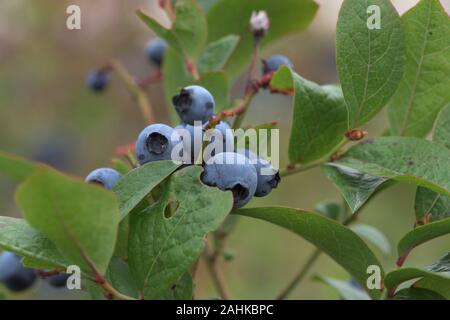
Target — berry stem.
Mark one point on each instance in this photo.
(136, 91)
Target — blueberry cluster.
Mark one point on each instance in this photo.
(240, 171)
(16, 278)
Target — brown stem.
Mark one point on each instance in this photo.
(212, 261)
(136, 91)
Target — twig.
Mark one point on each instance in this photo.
(136, 91)
(212, 260)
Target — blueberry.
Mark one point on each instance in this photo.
(13, 275)
(58, 280)
(156, 143)
(197, 132)
(274, 62)
(231, 171)
(155, 51)
(194, 103)
(267, 181)
(105, 177)
(97, 80)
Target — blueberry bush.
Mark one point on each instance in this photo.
(138, 229)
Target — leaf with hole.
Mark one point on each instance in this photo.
(168, 237)
(137, 184)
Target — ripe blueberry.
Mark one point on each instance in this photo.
(155, 51)
(97, 80)
(105, 177)
(194, 103)
(232, 171)
(58, 280)
(274, 62)
(197, 132)
(13, 275)
(267, 181)
(156, 143)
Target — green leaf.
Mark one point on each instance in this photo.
(437, 282)
(429, 205)
(356, 187)
(374, 236)
(33, 263)
(441, 133)
(345, 289)
(188, 32)
(167, 237)
(407, 159)
(182, 289)
(118, 274)
(319, 120)
(339, 242)
(94, 289)
(80, 219)
(137, 184)
(15, 167)
(370, 61)
(423, 234)
(18, 237)
(423, 91)
(442, 265)
(207, 4)
(123, 233)
(417, 294)
(330, 209)
(233, 16)
(217, 83)
(217, 53)
(428, 202)
(175, 77)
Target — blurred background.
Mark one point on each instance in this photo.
(47, 114)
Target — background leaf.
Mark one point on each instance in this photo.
(188, 32)
(442, 265)
(423, 91)
(15, 167)
(167, 238)
(217, 53)
(137, 184)
(217, 83)
(441, 133)
(407, 159)
(319, 120)
(81, 219)
(370, 61)
(118, 274)
(374, 236)
(18, 237)
(339, 242)
(233, 16)
(345, 288)
(432, 203)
